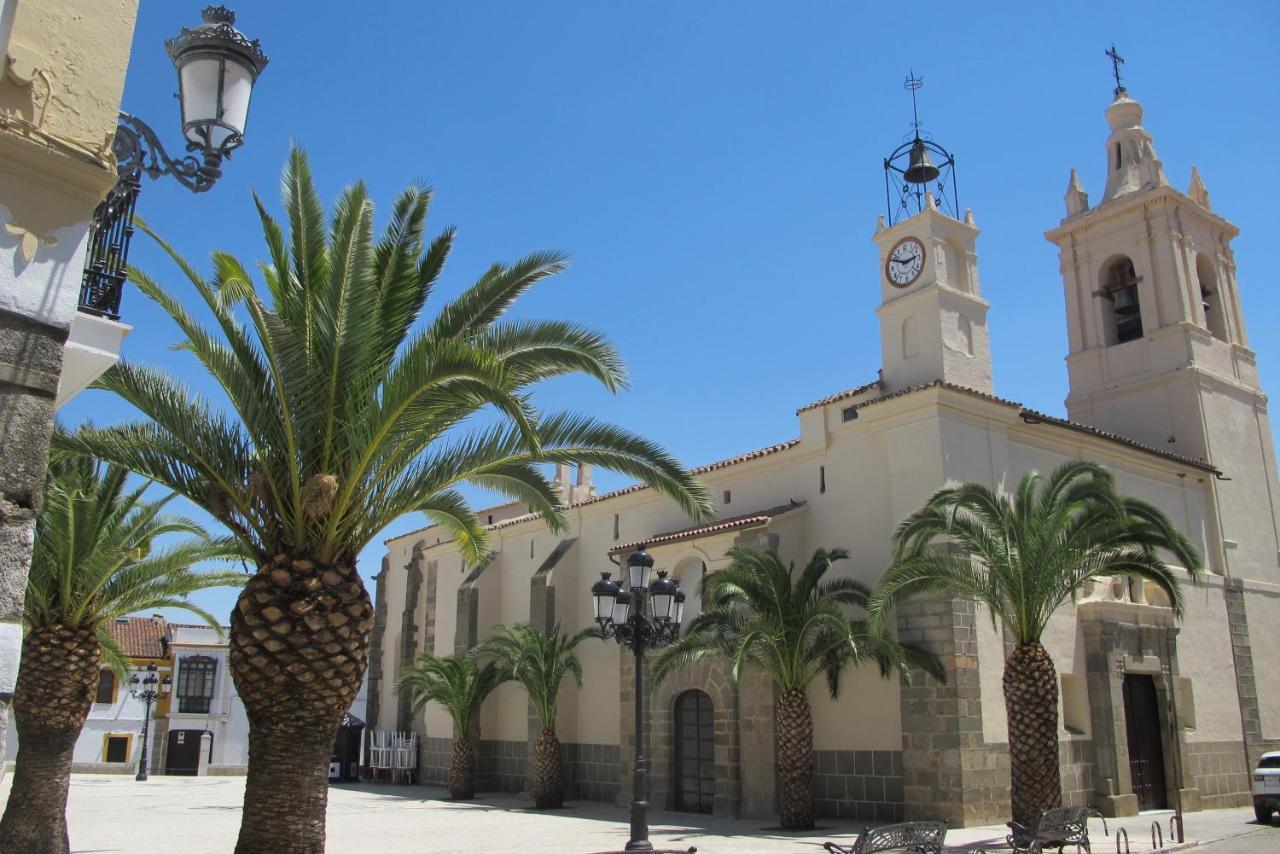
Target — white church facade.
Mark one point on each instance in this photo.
(1163, 391)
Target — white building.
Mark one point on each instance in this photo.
(1164, 391)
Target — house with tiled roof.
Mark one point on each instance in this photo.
(1164, 391)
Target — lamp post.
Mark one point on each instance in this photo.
(620, 611)
(217, 67)
(147, 689)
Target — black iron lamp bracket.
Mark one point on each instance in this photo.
(138, 149)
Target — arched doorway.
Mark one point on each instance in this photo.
(694, 753)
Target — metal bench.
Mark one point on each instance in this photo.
(915, 837)
(1055, 829)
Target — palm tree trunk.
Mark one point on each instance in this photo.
(548, 772)
(795, 760)
(56, 681)
(462, 769)
(1031, 703)
(299, 646)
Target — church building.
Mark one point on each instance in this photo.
(1164, 391)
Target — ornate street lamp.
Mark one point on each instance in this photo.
(147, 689)
(217, 67)
(622, 614)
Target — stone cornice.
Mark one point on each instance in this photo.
(1130, 202)
(73, 174)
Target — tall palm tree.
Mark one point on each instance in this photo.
(344, 417)
(1024, 556)
(456, 683)
(96, 558)
(760, 613)
(540, 661)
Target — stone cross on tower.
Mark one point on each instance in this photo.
(1116, 61)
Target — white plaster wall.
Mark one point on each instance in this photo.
(1204, 656)
(1262, 605)
(46, 288)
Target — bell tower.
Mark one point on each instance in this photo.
(933, 319)
(1158, 350)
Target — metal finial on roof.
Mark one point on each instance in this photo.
(1116, 61)
(912, 84)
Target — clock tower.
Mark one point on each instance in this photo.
(933, 319)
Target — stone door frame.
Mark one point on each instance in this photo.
(1123, 638)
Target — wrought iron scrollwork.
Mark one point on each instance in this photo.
(138, 149)
(107, 259)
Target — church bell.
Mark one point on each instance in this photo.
(920, 169)
(1126, 304)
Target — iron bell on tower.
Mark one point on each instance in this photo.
(919, 171)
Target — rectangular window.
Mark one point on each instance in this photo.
(822, 478)
(117, 748)
(195, 683)
(728, 496)
(849, 413)
(106, 687)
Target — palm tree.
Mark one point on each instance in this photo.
(1024, 556)
(343, 418)
(456, 683)
(760, 613)
(95, 558)
(540, 661)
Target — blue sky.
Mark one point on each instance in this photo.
(714, 169)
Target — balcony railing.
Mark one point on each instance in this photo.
(107, 260)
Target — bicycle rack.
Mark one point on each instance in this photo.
(1121, 833)
(1156, 834)
(1175, 820)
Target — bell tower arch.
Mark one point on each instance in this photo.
(1158, 350)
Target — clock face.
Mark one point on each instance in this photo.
(905, 262)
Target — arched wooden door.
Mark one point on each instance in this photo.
(695, 753)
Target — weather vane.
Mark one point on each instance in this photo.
(912, 84)
(1116, 61)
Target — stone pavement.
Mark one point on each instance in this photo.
(200, 815)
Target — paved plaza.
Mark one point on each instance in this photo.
(200, 815)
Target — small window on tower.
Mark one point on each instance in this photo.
(1121, 289)
(1117, 155)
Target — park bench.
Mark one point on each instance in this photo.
(915, 837)
(1054, 829)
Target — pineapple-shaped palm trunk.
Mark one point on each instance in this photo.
(299, 646)
(548, 771)
(1031, 703)
(56, 680)
(795, 760)
(462, 769)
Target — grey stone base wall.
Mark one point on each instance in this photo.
(592, 771)
(433, 761)
(1075, 766)
(500, 766)
(865, 785)
(1218, 770)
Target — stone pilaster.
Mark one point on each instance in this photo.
(30, 367)
(409, 635)
(1242, 656)
(373, 705)
(949, 771)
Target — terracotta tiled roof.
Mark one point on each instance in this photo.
(844, 395)
(747, 520)
(1033, 417)
(635, 487)
(140, 637)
